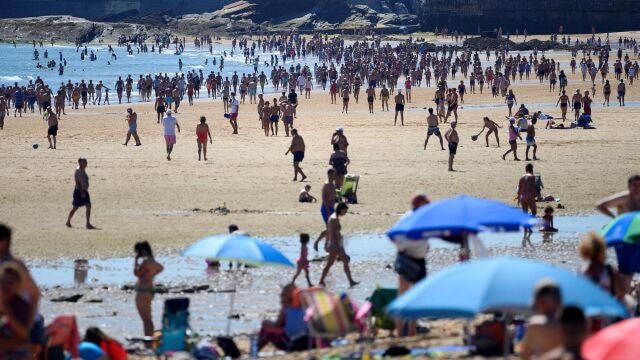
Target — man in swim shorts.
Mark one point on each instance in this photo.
(621, 92)
(328, 202)
(371, 95)
(297, 148)
(81, 193)
(170, 124)
(160, 106)
(52, 131)
(531, 140)
(577, 103)
(453, 139)
(433, 129)
(132, 122)
(399, 99)
(233, 114)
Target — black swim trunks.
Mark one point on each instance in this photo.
(453, 148)
(399, 107)
(79, 200)
(53, 130)
(298, 156)
(370, 99)
(411, 269)
(577, 105)
(161, 109)
(433, 130)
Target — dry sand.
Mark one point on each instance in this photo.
(138, 195)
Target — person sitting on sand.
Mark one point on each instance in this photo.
(289, 323)
(584, 121)
(625, 201)
(522, 111)
(543, 331)
(547, 221)
(97, 345)
(145, 268)
(305, 196)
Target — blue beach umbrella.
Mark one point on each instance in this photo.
(498, 284)
(237, 247)
(459, 215)
(623, 234)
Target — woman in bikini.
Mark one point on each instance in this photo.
(202, 132)
(510, 99)
(145, 268)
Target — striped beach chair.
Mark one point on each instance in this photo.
(330, 316)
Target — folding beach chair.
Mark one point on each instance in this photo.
(175, 323)
(348, 192)
(330, 316)
(378, 318)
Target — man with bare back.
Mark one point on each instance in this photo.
(297, 149)
(399, 99)
(433, 129)
(577, 104)
(563, 100)
(527, 190)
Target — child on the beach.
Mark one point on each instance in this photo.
(106, 97)
(547, 221)
(305, 195)
(303, 260)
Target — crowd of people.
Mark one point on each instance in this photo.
(342, 70)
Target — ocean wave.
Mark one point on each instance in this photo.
(10, 78)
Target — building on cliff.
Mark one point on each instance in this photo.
(97, 9)
(537, 16)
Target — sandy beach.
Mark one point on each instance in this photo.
(138, 195)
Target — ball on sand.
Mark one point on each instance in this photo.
(474, 137)
(35, 146)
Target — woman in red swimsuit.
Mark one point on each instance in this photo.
(202, 132)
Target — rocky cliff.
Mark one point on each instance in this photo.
(537, 16)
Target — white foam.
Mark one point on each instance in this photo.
(10, 78)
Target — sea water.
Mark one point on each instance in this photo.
(18, 64)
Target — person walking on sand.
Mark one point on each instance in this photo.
(399, 99)
(433, 129)
(303, 260)
(623, 202)
(452, 139)
(513, 143)
(335, 246)
(132, 121)
(145, 268)
(621, 91)
(202, 132)
(297, 148)
(577, 104)
(563, 101)
(81, 193)
(233, 114)
(371, 96)
(160, 106)
(531, 140)
(52, 131)
(170, 123)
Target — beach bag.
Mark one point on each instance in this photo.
(489, 338)
(229, 347)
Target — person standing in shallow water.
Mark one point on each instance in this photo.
(145, 268)
(335, 246)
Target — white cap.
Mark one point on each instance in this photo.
(168, 112)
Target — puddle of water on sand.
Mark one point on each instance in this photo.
(257, 296)
(361, 247)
